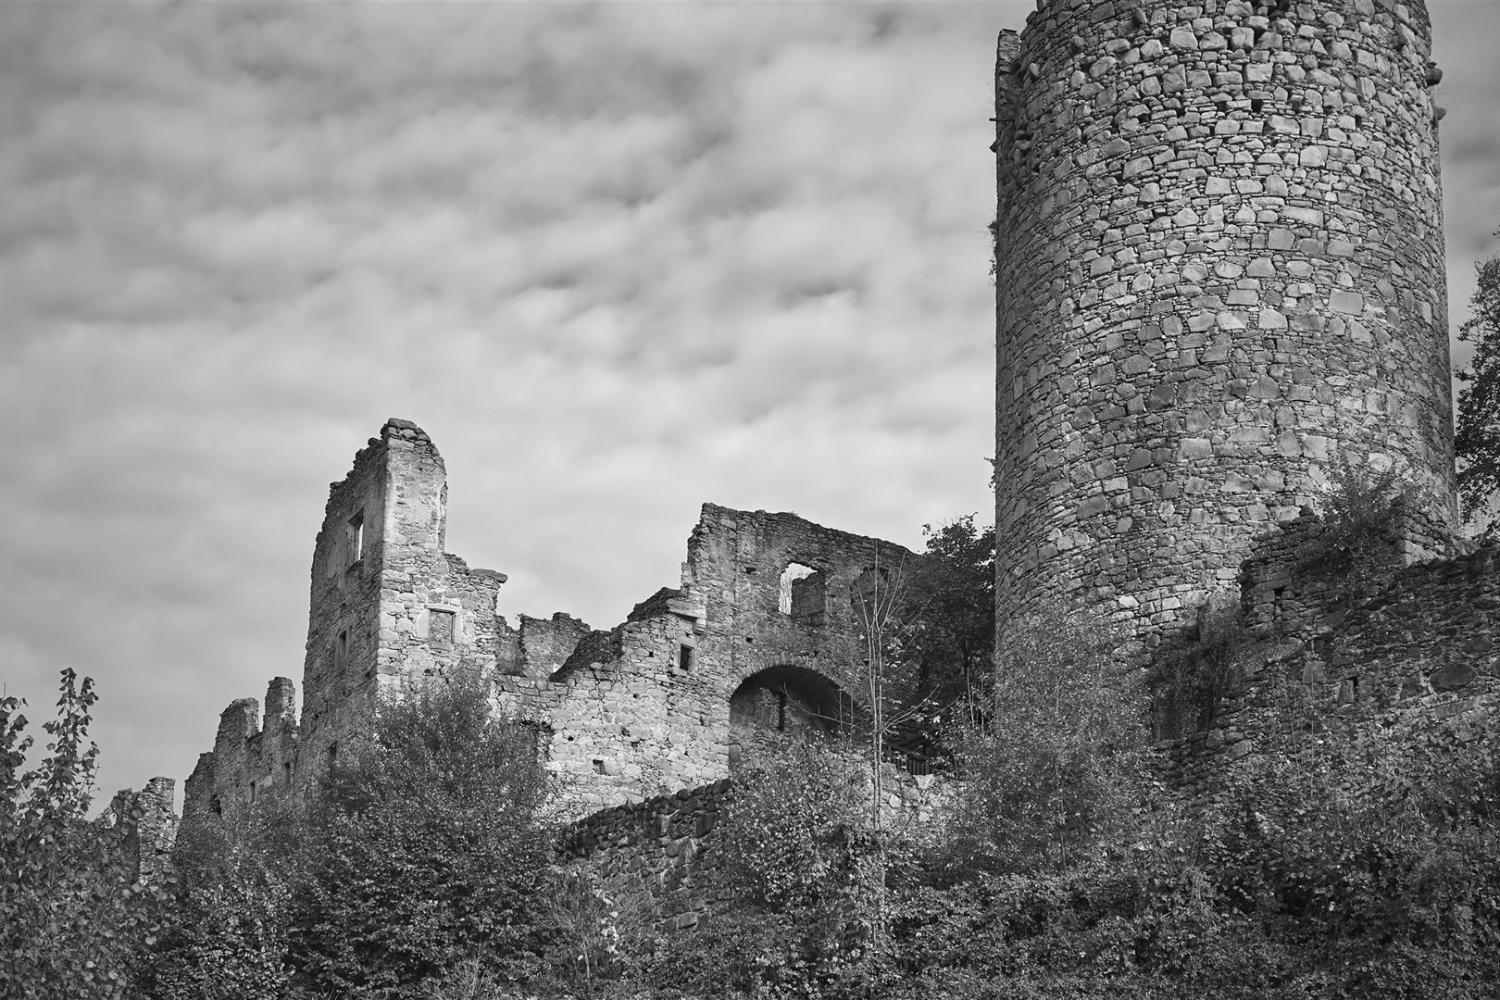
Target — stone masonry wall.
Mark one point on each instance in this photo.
(645, 708)
(253, 756)
(1426, 646)
(1219, 261)
(663, 846)
(765, 608)
(669, 846)
(148, 825)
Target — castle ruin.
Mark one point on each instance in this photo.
(762, 634)
(1219, 270)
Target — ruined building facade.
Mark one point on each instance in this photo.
(762, 633)
(1219, 268)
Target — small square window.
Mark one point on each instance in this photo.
(440, 628)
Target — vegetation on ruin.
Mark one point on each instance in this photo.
(1362, 511)
(1343, 864)
(1192, 675)
(73, 917)
(1476, 440)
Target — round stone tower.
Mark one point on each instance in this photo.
(1219, 268)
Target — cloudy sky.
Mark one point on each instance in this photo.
(616, 259)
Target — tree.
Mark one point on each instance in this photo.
(1062, 769)
(1476, 441)
(424, 853)
(226, 937)
(72, 911)
(953, 587)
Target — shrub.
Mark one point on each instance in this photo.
(1360, 541)
(72, 912)
(226, 937)
(1062, 771)
(424, 853)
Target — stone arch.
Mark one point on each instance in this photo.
(791, 699)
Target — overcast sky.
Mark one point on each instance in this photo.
(617, 260)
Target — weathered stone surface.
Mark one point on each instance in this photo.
(761, 634)
(1291, 160)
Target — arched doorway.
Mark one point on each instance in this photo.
(787, 702)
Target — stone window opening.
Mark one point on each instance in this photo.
(598, 766)
(354, 538)
(684, 657)
(341, 652)
(286, 772)
(801, 596)
(440, 627)
(252, 793)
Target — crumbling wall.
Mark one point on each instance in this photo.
(1219, 261)
(254, 756)
(670, 846)
(766, 606)
(1425, 646)
(664, 846)
(147, 823)
(646, 707)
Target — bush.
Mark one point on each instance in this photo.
(226, 938)
(1360, 541)
(1062, 772)
(424, 853)
(73, 914)
(807, 878)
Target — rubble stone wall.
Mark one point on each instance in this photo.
(1219, 262)
(767, 605)
(1423, 648)
(254, 755)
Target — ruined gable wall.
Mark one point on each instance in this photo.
(1219, 265)
(408, 609)
(644, 708)
(734, 569)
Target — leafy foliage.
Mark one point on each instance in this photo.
(1476, 440)
(953, 588)
(1057, 775)
(1361, 520)
(226, 938)
(808, 877)
(72, 912)
(424, 852)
